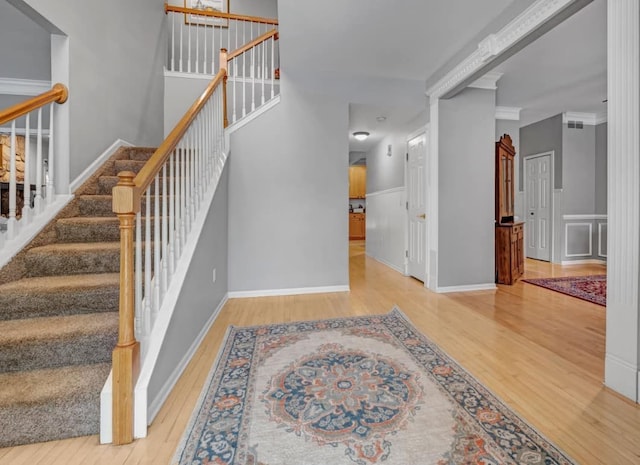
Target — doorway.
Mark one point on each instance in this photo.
(538, 176)
(416, 207)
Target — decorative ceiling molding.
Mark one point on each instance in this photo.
(526, 23)
(508, 113)
(585, 118)
(11, 86)
(489, 81)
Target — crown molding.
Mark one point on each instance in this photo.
(12, 86)
(601, 117)
(526, 23)
(508, 113)
(489, 81)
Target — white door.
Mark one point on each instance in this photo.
(416, 206)
(538, 207)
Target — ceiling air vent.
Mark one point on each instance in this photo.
(575, 124)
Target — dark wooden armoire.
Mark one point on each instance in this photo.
(509, 233)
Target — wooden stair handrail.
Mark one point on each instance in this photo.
(58, 94)
(127, 196)
(258, 40)
(218, 14)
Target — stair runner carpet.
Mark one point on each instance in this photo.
(58, 316)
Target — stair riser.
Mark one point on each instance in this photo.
(54, 264)
(78, 350)
(70, 302)
(93, 233)
(100, 206)
(132, 165)
(141, 154)
(107, 183)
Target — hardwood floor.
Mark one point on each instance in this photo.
(540, 351)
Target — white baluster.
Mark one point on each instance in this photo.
(189, 47)
(173, 42)
(38, 200)
(235, 78)
(148, 291)
(263, 71)
(253, 74)
(26, 208)
(213, 50)
(192, 199)
(165, 234)
(183, 198)
(181, 44)
(12, 227)
(157, 278)
(273, 65)
(172, 214)
(204, 56)
(139, 314)
(244, 74)
(50, 159)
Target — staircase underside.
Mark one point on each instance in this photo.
(58, 316)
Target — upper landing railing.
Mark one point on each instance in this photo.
(27, 160)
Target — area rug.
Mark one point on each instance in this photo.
(363, 390)
(591, 288)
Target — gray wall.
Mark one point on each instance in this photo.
(26, 50)
(578, 167)
(199, 297)
(116, 55)
(384, 172)
(466, 175)
(288, 222)
(601, 169)
(540, 137)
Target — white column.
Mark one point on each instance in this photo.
(623, 197)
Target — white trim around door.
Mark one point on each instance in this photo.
(550, 197)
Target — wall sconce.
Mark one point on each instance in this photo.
(361, 135)
(389, 153)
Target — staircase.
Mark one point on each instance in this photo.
(58, 315)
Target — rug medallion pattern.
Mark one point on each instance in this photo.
(357, 391)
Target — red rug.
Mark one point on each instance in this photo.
(591, 288)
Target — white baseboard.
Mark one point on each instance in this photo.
(253, 115)
(292, 291)
(28, 232)
(589, 261)
(106, 411)
(467, 288)
(14, 86)
(97, 163)
(390, 265)
(167, 387)
(621, 376)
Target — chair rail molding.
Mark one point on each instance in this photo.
(29, 87)
(527, 26)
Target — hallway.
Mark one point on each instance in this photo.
(541, 352)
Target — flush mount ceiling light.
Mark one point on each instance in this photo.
(381, 119)
(360, 135)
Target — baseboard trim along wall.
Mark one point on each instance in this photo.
(158, 402)
(467, 288)
(390, 265)
(97, 163)
(621, 376)
(292, 291)
(589, 261)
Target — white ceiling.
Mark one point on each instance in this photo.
(380, 54)
(564, 70)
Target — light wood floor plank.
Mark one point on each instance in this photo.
(541, 352)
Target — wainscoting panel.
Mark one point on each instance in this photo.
(585, 238)
(387, 227)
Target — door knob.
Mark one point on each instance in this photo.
(423, 216)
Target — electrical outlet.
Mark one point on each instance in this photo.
(214, 275)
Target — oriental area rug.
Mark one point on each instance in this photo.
(351, 391)
(591, 288)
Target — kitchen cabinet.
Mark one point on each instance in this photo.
(357, 225)
(357, 182)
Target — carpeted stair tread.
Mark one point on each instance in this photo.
(43, 405)
(128, 165)
(88, 229)
(96, 205)
(140, 153)
(73, 258)
(59, 295)
(36, 343)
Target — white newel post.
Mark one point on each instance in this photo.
(623, 197)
